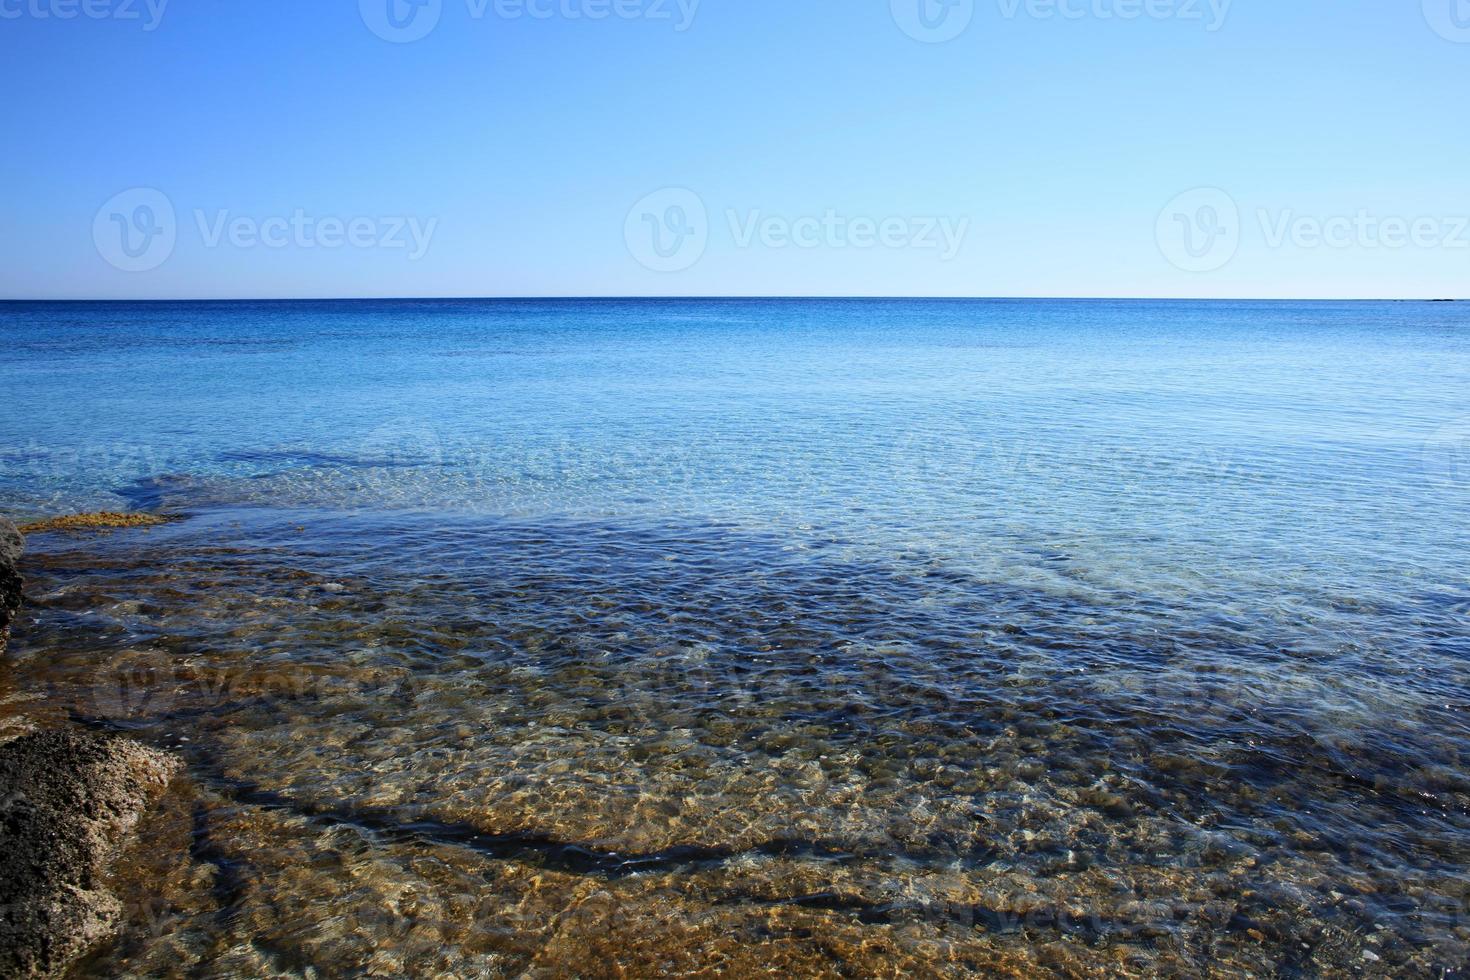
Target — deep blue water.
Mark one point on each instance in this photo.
(1199, 568)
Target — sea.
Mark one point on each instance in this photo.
(828, 637)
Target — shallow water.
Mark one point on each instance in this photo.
(831, 637)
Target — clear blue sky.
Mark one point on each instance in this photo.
(518, 146)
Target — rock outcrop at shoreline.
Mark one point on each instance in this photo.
(68, 803)
(12, 544)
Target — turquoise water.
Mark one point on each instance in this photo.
(1261, 453)
(1074, 601)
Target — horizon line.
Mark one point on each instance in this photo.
(732, 297)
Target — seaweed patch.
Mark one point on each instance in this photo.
(99, 521)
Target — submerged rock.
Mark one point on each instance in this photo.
(12, 544)
(100, 521)
(68, 802)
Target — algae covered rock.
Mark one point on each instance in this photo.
(104, 520)
(68, 803)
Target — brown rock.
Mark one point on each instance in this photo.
(68, 803)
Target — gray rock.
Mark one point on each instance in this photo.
(68, 803)
(12, 542)
(12, 545)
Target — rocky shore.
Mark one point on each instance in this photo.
(69, 802)
(12, 545)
